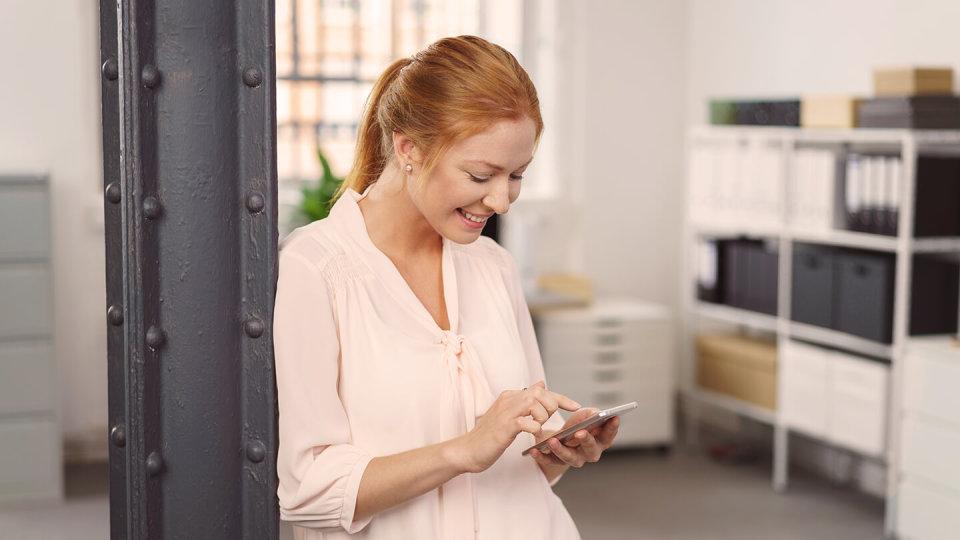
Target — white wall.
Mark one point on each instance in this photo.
(788, 48)
(622, 83)
(50, 111)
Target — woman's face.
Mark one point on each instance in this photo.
(477, 177)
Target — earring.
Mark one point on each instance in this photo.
(408, 168)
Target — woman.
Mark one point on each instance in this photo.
(408, 373)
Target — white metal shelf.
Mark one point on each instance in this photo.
(849, 239)
(732, 231)
(701, 223)
(806, 332)
(836, 237)
(732, 315)
(840, 340)
(734, 405)
(922, 137)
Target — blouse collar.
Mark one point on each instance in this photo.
(349, 220)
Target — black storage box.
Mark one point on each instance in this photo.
(812, 288)
(913, 112)
(750, 275)
(934, 294)
(938, 197)
(864, 297)
(767, 113)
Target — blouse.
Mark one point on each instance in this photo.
(363, 370)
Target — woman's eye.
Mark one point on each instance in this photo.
(516, 177)
(476, 178)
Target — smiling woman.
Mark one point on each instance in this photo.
(408, 373)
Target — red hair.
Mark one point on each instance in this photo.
(454, 88)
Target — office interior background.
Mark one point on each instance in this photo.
(743, 214)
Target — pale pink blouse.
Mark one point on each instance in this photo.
(363, 370)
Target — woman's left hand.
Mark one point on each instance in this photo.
(585, 446)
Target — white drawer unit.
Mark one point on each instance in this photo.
(610, 353)
(927, 512)
(30, 438)
(931, 383)
(836, 396)
(928, 498)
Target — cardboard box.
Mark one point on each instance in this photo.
(740, 367)
(829, 111)
(912, 81)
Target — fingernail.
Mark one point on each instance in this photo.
(577, 405)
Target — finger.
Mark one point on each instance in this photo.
(539, 413)
(569, 456)
(544, 459)
(575, 441)
(590, 448)
(564, 402)
(609, 432)
(545, 398)
(525, 423)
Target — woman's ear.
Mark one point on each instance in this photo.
(405, 150)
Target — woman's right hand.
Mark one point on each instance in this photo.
(512, 412)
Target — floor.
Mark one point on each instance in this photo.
(636, 495)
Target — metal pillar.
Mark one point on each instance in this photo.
(189, 133)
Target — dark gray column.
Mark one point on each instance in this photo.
(189, 134)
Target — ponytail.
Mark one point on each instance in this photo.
(373, 141)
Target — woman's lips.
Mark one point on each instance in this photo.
(469, 223)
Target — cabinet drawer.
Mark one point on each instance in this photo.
(860, 378)
(29, 460)
(804, 406)
(805, 389)
(930, 450)
(931, 384)
(806, 362)
(925, 512)
(25, 302)
(27, 371)
(857, 424)
(24, 221)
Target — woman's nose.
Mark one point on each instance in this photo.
(498, 199)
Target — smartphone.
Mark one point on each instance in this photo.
(597, 418)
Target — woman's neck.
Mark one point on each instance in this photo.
(395, 225)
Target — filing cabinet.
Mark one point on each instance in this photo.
(612, 352)
(30, 439)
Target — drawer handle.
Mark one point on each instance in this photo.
(861, 270)
(608, 339)
(609, 357)
(607, 375)
(608, 323)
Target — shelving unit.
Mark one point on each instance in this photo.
(785, 142)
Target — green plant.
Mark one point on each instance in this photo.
(317, 198)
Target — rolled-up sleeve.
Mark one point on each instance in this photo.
(528, 337)
(319, 470)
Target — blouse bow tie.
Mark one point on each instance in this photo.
(470, 384)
